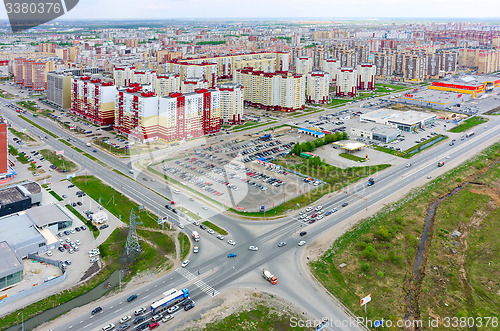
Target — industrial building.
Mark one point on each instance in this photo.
(311, 132)
(376, 131)
(406, 121)
(19, 197)
(11, 266)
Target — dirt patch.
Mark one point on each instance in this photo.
(94, 268)
(236, 301)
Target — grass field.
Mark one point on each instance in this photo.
(406, 154)
(215, 228)
(380, 252)
(184, 243)
(6, 95)
(115, 202)
(469, 123)
(38, 126)
(352, 157)
(21, 135)
(58, 160)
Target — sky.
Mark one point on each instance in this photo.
(157, 9)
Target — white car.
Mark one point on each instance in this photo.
(320, 217)
(124, 319)
(204, 207)
(68, 240)
(319, 208)
(94, 259)
(108, 327)
(49, 253)
(221, 237)
(196, 223)
(253, 248)
(309, 209)
(302, 243)
(210, 231)
(231, 242)
(303, 216)
(72, 230)
(77, 242)
(302, 212)
(181, 226)
(185, 263)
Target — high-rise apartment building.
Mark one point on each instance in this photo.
(433, 65)
(448, 62)
(281, 91)
(59, 90)
(93, 100)
(303, 65)
(232, 103)
(191, 84)
(166, 83)
(4, 151)
(318, 87)
(331, 66)
(366, 76)
(415, 68)
(346, 85)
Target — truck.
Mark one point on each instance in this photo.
(440, 164)
(371, 181)
(196, 236)
(269, 276)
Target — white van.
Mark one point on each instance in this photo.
(176, 191)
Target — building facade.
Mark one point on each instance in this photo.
(366, 76)
(93, 99)
(232, 103)
(318, 87)
(346, 85)
(59, 90)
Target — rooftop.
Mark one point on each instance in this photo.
(44, 215)
(391, 115)
(8, 259)
(18, 229)
(350, 145)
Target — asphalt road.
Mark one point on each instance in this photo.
(218, 271)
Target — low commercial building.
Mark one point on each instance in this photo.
(311, 132)
(11, 266)
(349, 146)
(19, 197)
(473, 85)
(434, 99)
(406, 121)
(374, 131)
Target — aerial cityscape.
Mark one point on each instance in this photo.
(267, 165)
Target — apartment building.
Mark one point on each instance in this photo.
(318, 87)
(166, 83)
(122, 76)
(279, 91)
(366, 76)
(415, 68)
(93, 99)
(136, 113)
(346, 82)
(204, 70)
(191, 84)
(331, 66)
(59, 89)
(448, 61)
(31, 73)
(484, 60)
(433, 69)
(303, 65)
(232, 103)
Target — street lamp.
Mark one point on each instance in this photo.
(22, 319)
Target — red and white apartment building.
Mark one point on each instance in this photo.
(93, 100)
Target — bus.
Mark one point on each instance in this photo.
(170, 298)
(470, 134)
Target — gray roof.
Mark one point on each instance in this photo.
(48, 214)
(19, 231)
(377, 128)
(18, 192)
(9, 261)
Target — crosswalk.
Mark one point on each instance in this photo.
(200, 284)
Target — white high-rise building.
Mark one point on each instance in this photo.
(166, 83)
(232, 103)
(192, 84)
(366, 76)
(318, 85)
(331, 66)
(303, 65)
(346, 82)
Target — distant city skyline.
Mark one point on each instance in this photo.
(328, 9)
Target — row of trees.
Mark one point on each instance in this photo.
(310, 146)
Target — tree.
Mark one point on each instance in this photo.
(369, 252)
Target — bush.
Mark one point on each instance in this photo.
(380, 274)
(383, 234)
(360, 245)
(365, 267)
(369, 252)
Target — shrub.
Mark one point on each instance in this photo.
(380, 274)
(369, 252)
(365, 267)
(383, 234)
(360, 245)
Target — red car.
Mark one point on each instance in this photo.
(153, 325)
(66, 246)
(314, 215)
(172, 202)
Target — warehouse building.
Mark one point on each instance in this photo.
(311, 132)
(433, 99)
(473, 85)
(404, 120)
(376, 131)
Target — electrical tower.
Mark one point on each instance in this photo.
(132, 239)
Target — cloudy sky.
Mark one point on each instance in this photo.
(152, 9)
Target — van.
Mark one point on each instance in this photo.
(176, 191)
(131, 171)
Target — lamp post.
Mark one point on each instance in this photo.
(22, 319)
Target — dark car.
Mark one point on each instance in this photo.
(83, 228)
(186, 302)
(61, 249)
(124, 327)
(96, 310)
(66, 232)
(139, 319)
(191, 305)
(71, 185)
(103, 227)
(345, 204)
(132, 298)
(77, 229)
(303, 233)
(174, 210)
(203, 226)
(142, 326)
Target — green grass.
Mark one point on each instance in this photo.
(185, 244)
(23, 159)
(87, 222)
(111, 149)
(55, 195)
(215, 228)
(38, 126)
(259, 317)
(6, 95)
(13, 151)
(352, 157)
(469, 123)
(337, 102)
(59, 161)
(250, 125)
(30, 105)
(380, 251)
(164, 244)
(406, 154)
(113, 201)
(21, 135)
